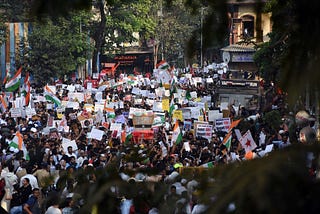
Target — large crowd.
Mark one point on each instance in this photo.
(93, 128)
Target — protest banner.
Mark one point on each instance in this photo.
(177, 114)
(67, 142)
(116, 127)
(222, 124)
(187, 125)
(30, 112)
(213, 115)
(15, 112)
(165, 104)
(143, 120)
(204, 130)
(96, 134)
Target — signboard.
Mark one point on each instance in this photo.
(242, 57)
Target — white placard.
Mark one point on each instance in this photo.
(116, 127)
(71, 88)
(213, 115)
(96, 134)
(30, 112)
(15, 112)
(135, 91)
(67, 142)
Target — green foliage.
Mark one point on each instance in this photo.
(42, 9)
(175, 27)
(58, 47)
(279, 183)
(293, 49)
(273, 119)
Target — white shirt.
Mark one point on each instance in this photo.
(33, 180)
(53, 210)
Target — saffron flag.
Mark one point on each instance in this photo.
(14, 83)
(176, 135)
(50, 96)
(247, 142)
(227, 140)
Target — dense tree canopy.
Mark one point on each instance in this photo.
(57, 47)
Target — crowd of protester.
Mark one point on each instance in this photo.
(27, 182)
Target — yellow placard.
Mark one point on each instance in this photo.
(177, 114)
(166, 86)
(165, 105)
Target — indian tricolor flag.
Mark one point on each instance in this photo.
(207, 165)
(172, 106)
(17, 141)
(163, 65)
(25, 90)
(176, 135)
(227, 140)
(50, 96)
(14, 83)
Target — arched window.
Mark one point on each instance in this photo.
(247, 26)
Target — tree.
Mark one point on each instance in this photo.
(292, 54)
(118, 21)
(57, 47)
(175, 26)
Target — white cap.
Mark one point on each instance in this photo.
(33, 129)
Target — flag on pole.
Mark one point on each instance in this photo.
(50, 96)
(247, 142)
(227, 141)
(14, 83)
(176, 135)
(26, 89)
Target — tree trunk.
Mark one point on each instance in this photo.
(99, 36)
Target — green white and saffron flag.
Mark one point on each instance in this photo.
(16, 142)
(163, 65)
(14, 83)
(207, 165)
(227, 140)
(176, 135)
(50, 96)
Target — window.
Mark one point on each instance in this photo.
(247, 26)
